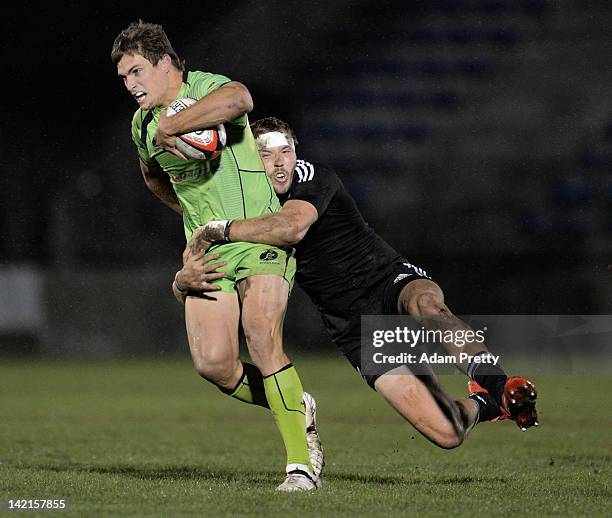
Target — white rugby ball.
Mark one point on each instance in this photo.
(203, 144)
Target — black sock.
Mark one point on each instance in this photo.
(488, 376)
(250, 388)
(488, 408)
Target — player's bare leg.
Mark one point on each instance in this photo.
(264, 303)
(212, 330)
(424, 301)
(423, 403)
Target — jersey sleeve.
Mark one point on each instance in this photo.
(139, 138)
(315, 184)
(206, 83)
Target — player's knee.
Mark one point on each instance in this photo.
(447, 433)
(423, 299)
(448, 440)
(430, 305)
(217, 369)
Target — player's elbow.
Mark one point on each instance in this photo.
(242, 102)
(155, 185)
(294, 233)
(300, 234)
(247, 103)
(150, 181)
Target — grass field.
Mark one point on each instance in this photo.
(149, 438)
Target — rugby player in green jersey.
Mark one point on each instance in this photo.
(252, 281)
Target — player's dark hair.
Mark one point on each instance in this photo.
(149, 40)
(267, 124)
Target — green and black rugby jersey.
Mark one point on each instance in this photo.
(232, 186)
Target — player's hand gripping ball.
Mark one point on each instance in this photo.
(204, 144)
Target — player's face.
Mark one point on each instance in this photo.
(280, 164)
(146, 82)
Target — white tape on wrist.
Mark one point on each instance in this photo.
(179, 294)
(176, 283)
(215, 231)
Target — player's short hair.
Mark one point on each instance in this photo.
(268, 124)
(149, 40)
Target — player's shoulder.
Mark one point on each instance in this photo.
(211, 80)
(313, 172)
(140, 118)
(198, 75)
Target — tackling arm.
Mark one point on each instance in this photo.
(158, 183)
(284, 228)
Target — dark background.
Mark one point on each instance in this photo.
(476, 136)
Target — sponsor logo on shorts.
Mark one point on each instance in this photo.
(268, 255)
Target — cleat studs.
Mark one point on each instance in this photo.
(533, 394)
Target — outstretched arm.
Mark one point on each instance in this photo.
(284, 228)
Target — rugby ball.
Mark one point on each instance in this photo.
(204, 144)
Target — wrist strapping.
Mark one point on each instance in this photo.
(179, 294)
(217, 231)
(226, 231)
(176, 283)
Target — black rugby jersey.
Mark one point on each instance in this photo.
(340, 257)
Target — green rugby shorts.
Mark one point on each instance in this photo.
(248, 259)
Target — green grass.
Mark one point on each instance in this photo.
(147, 438)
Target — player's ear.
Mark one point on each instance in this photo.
(166, 62)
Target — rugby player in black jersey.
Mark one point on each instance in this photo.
(347, 270)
